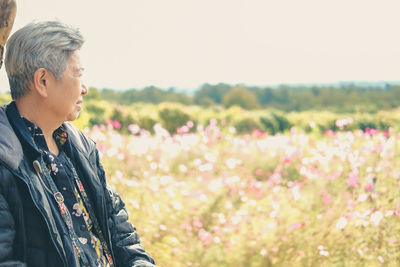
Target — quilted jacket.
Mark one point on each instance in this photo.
(30, 225)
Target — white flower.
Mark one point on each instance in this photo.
(173, 240)
(362, 197)
(206, 167)
(273, 214)
(272, 225)
(153, 166)
(341, 224)
(296, 192)
(232, 163)
(324, 253)
(376, 218)
(389, 213)
(210, 157)
(177, 205)
(197, 162)
(182, 168)
(78, 211)
(54, 168)
(263, 252)
(82, 240)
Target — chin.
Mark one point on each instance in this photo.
(73, 117)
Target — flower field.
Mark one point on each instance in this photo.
(207, 197)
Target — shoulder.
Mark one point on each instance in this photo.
(7, 180)
(10, 148)
(79, 140)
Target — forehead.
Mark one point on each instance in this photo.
(74, 62)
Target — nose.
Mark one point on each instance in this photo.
(84, 89)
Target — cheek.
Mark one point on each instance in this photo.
(78, 88)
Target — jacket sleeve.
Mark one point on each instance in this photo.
(125, 241)
(7, 228)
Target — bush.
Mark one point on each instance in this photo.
(282, 122)
(124, 120)
(171, 119)
(242, 97)
(328, 125)
(97, 114)
(275, 123)
(365, 123)
(247, 125)
(270, 125)
(206, 102)
(147, 123)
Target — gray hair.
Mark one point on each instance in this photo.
(46, 45)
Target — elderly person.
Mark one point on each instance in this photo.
(55, 206)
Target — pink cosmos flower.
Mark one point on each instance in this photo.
(133, 128)
(197, 223)
(326, 199)
(213, 122)
(190, 124)
(353, 180)
(295, 226)
(205, 237)
(329, 133)
(259, 172)
(369, 187)
(116, 124)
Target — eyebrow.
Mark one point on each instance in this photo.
(80, 69)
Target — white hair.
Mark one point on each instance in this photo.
(37, 45)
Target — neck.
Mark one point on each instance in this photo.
(36, 112)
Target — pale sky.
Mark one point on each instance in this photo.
(185, 43)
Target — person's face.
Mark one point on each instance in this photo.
(66, 93)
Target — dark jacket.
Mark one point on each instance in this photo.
(30, 231)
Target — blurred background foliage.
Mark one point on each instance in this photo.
(339, 98)
(273, 110)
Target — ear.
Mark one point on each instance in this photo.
(40, 82)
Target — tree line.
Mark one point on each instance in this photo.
(342, 98)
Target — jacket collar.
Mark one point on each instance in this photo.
(22, 132)
(16, 140)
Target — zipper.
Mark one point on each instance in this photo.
(58, 197)
(43, 213)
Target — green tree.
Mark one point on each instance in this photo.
(241, 96)
(213, 92)
(171, 119)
